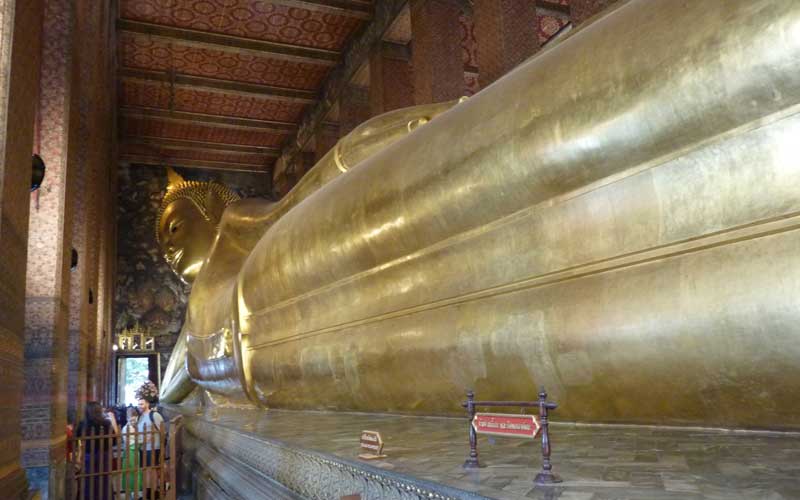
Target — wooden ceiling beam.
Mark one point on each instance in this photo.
(355, 54)
(358, 9)
(156, 161)
(214, 147)
(554, 9)
(217, 85)
(205, 39)
(229, 122)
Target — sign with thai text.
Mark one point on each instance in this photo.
(501, 424)
(371, 445)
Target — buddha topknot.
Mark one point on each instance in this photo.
(197, 192)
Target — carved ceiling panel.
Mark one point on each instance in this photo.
(224, 157)
(144, 94)
(235, 66)
(139, 93)
(167, 153)
(549, 26)
(160, 54)
(223, 72)
(247, 18)
(153, 127)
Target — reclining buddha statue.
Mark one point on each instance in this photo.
(616, 220)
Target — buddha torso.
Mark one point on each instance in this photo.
(616, 219)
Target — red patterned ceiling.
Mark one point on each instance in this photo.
(549, 26)
(230, 81)
(137, 93)
(153, 53)
(246, 18)
(168, 153)
(156, 127)
(225, 157)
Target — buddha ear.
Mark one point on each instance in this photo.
(214, 206)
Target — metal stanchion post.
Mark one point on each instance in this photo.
(472, 461)
(546, 476)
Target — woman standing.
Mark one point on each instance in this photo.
(132, 474)
(97, 436)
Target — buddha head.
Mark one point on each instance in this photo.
(187, 222)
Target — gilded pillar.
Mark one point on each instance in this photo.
(506, 35)
(44, 403)
(391, 78)
(436, 51)
(20, 50)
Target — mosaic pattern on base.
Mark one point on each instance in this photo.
(596, 462)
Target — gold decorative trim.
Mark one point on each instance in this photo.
(337, 158)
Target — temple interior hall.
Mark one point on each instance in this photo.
(399, 249)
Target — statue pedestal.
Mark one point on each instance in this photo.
(287, 454)
(224, 462)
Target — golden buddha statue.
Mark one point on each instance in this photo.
(616, 219)
(204, 225)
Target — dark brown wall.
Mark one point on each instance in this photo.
(18, 95)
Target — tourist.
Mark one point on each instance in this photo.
(97, 435)
(151, 425)
(132, 475)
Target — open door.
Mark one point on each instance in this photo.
(132, 371)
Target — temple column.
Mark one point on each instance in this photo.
(49, 252)
(581, 10)
(391, 78)
(354, 108)
(83, 285)
(287, 179)
(436, 51)
(306, 162)
(20, 52)
(100, 357)
(506, 34)
(281, 185)
(325, 139)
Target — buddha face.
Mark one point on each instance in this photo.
(186, 238)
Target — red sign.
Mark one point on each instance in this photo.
(501, 424)
(371, 445)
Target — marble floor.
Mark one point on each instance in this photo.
(595, 462)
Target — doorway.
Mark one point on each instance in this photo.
(132, 371)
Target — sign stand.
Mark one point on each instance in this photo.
(546, 476)
(371, 446)
(513, 426)
(472, 460)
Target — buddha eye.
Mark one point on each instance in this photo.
(173, 227)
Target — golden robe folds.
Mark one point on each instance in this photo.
(616, 220)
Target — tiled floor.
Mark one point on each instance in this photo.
(596, 462)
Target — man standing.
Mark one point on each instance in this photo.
(151, 427)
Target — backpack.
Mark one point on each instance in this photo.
(165, 448)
